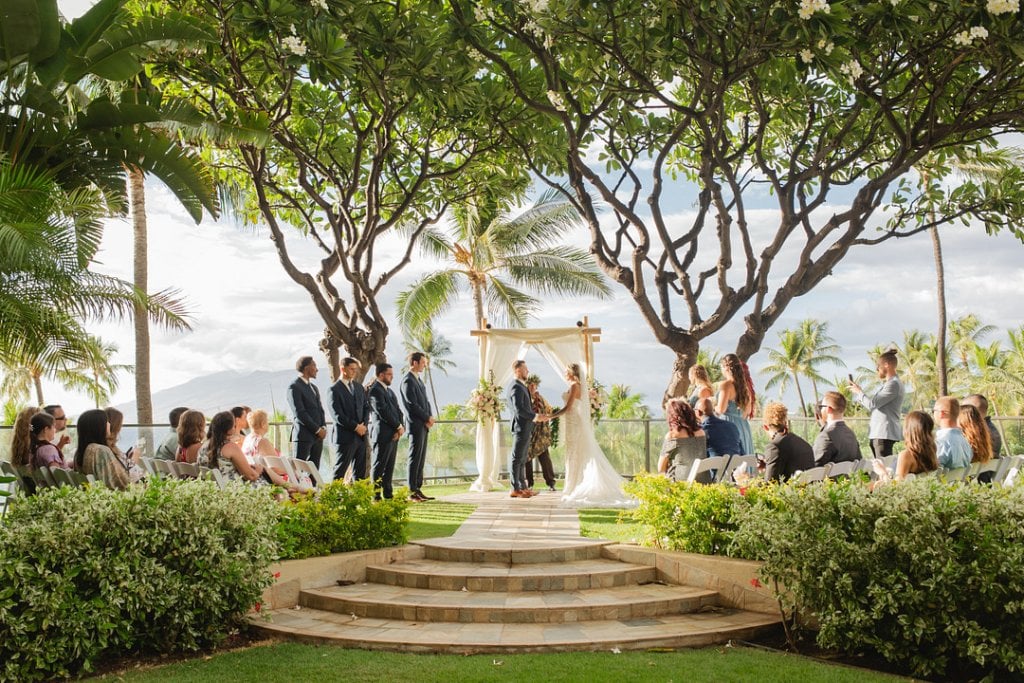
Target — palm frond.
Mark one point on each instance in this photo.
(558, 270)
(426, 299)
(509, 306)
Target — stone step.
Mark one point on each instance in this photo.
(471, 549)
(493, 576)
(668, 631)
(419, 604)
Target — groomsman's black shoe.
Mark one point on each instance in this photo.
(552, 489)
(416, 498)
(424, 496)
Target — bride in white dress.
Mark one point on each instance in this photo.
(590, 480)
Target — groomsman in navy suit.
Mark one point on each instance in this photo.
(309, 426)
(420, 419)
(351, 411)
(385, 428)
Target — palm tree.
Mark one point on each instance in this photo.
(918, 367)
(966, 333)
(20, 379)
(97, 375)
(819, 350)
(711, 359)
(624, 405)
(494, 254)
(802, 353)
(786, 364)
(437, 348)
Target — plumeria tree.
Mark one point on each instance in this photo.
(379, 121)
(798, 124)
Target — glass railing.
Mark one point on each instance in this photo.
(632, 446)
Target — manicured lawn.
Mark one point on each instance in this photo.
(287, 662)
(613, 525)
(436, 518)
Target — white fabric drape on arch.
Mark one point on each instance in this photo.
(498, 349)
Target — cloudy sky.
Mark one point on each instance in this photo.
(247, 314)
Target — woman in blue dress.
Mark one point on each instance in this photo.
(735, 399)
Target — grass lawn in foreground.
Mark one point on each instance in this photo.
(288, 662)
(610, 524)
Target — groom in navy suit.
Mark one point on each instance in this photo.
(351, 411)
(420, 420)
(523, 418)
(309, 427)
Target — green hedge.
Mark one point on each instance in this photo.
(88, 572)
(340, 518)
(927, 574)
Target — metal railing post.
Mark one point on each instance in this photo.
(647, 444)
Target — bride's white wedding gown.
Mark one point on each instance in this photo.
(590, 480)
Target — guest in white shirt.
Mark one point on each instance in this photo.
(953, 450)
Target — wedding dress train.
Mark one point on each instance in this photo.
(590, 480)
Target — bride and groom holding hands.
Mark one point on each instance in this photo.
(590, 480)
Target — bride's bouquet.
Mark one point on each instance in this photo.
(485, 401)
(595, 391)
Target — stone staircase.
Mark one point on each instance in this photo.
(473, 595)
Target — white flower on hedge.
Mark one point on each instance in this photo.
(294, 45)
(556, 100)
(853, 70)
(979, 32)
(826, 46)
(1002, 6)
(809, 7)
(807, 56)
(319, 4)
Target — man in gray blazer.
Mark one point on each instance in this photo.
(836, 442)
(885, 404)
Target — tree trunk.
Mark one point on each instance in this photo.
(679, 382)
(800, 394)
(331, 348)
(38, 382)
(940, 290)
(140, 278)
(478, 305)
(430, 381)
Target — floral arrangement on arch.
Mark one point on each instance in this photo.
(595, 391)
(485, 401)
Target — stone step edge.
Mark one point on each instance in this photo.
(760, 624)
(503, 553)
(547, 577)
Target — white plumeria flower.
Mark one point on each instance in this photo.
(853, 70)
(962, 38)
(538, 6)
(807, 56)
(809, 7)
(556, 100)
(1002, 6)
(319, 4)
(479, 14)
(826, 46)
(979, 32)
(294, 45)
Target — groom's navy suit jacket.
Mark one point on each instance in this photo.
(522, 408)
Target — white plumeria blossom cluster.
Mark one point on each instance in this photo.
(826, 46)
(853, 70)
(556, 100)
(807, 55)
(319, 4)
(537, 6)
(294, 44)
(968, 37)
(1002, 6)
(809, 7)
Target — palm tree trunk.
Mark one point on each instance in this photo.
(430, 381)
(37, 380)
(940, 289)
(143, 391)
(478, 304)
(800, 394)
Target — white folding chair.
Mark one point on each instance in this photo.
(1005, 464)
(147, 465)
(185, 470)
(305, 466)
(953, 475)
(163, 469)
(215, 476)
(812, 475)
(62, 477)
(978, 469)
(843, 469)
(717, 463)
(1012, 475)
(909, 476)
(736, 463)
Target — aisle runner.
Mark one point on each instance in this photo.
(500, 518)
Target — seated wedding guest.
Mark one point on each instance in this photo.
(241, 415)
(168, 448)
(191, 433)
(919, 455)
(953, 450)
(222, 453)
(255, 443)
(684, 444)
(722, 436)
(94, 456)
(44, 452)
(735, 401)
(115, 420)
(21, 439)
(786, 453)
(60, 424)
(981, 403)
(836, 442)
(701, 383)
(976, 432)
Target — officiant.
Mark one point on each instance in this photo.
(540, 439)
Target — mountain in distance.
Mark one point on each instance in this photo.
(264, 389)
